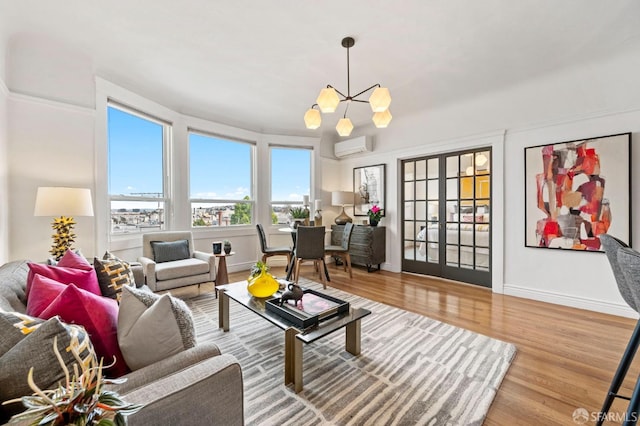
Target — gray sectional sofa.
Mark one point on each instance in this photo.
(198, 386)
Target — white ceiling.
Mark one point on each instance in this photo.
(260, 64)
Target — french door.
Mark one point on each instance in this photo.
(446, 216)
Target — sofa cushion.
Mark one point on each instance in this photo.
(34, 348)
(99, 316)
(168, 251)
(152, 327)
(181, 268)
(75, 260)
(43, 291)
(113, 273)
(13, 276)
(84, 279)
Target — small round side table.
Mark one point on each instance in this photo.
(222, 276)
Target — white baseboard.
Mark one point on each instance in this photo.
(573, 301)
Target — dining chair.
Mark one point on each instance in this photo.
(625, 264)
(342, 251)
(310, 246)
(272, 251)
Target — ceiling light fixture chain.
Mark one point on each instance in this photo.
(328, 101)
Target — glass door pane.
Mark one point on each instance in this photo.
(447, 215)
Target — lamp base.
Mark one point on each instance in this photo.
(343, 218)
(63, 237)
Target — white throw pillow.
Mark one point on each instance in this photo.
(152, 327)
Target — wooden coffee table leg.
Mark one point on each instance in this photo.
(292, 359)
(223, 311)
(352, 341)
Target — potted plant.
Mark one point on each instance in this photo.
(299, 215)
(227, 246)
(80, 400)
(375, 214)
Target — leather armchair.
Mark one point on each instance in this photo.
(199, 267)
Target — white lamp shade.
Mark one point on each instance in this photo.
(60, 201)
(481, 159)
(469, 171)
(312, 119)
(318, 204)
(342, 198)
(344, 127)
(382, 119)
(380, 99)
(328, 100)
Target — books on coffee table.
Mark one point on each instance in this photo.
(313, 308)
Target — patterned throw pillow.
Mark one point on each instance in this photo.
(32, 346)
(152, 327)
(113, 273)
(168, 251)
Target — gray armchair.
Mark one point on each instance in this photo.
(169, 261)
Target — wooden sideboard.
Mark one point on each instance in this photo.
(368, 244)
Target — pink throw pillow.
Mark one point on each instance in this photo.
(73, 260)
(86, 280)
(99, 316)
(43, 291)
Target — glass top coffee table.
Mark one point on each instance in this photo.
(294, 337)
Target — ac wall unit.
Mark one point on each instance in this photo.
(352, 146)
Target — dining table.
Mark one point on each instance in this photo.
(292, 263)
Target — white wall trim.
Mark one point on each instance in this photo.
(618, 309)
(19, 97)
(574, 119)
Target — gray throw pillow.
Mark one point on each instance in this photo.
(152, 327)
(35, 349)
(168, 251)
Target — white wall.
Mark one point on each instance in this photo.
(50, 144)
(4, 174)
(592, 100)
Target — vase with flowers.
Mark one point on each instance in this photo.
(375, 214)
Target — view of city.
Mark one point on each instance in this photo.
(132, 220)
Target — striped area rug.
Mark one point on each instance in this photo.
(412, 370)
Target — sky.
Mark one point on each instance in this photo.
(218, 168)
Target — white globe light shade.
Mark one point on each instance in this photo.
(380, 99)
(382, 119)
(328, 100)
(312, 118)
(344, 127)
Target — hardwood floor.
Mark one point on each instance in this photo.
(566, 357)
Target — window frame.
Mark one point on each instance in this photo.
(289, 203)
(166, 199)
(252, 179)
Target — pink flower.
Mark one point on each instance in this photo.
(375, 212)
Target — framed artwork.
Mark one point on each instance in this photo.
(577, 190)
(369, 187)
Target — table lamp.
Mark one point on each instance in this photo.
(66, 203)
(342, 198)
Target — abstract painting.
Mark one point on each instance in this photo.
(577, 190)
(369, 186)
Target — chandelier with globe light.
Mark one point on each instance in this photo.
(329, 99)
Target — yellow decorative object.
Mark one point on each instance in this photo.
(261, 283)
